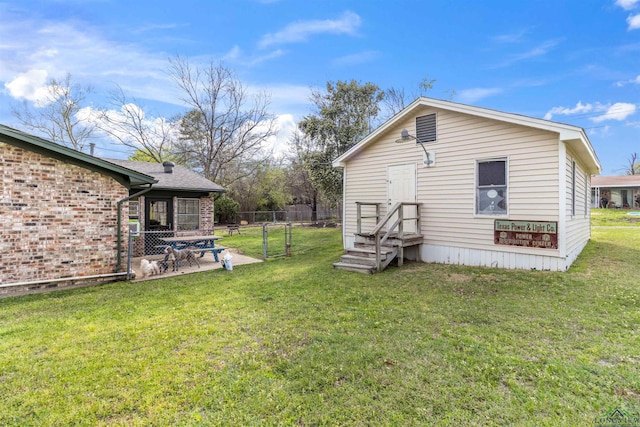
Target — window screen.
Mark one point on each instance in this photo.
(188, 214)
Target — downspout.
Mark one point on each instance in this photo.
(120, 202)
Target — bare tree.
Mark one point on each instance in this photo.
(59, 116)
(127, 123)
(225, 129)
(396, 99)
(633, 167)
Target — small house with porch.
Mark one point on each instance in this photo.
(445, 182)
(615, 192)
(180, 202)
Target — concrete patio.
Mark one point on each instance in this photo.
(206, 263)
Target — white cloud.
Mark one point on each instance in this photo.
(579, 108)
(233, 54)
(540, 50)
(632, 81)
(31, 86)
(634, 22)
(285, 98)
(357, 58)
(279, 143)
(618, 111)
(262, 58)
(300, 31)
(475, 94)
(627, 4)
(511, 38)
(53, 49)
(600, 130)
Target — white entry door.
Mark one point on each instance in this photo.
(401, 187)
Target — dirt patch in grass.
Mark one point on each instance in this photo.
(459, 278)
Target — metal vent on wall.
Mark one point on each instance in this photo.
(426, 128)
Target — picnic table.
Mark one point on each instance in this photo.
(233, 227)
(200, 244)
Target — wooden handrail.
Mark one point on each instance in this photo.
(360, 216)
(380, 238)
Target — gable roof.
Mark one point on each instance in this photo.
(572, 135)
(127, 177)
(181, 179)
(616, 181)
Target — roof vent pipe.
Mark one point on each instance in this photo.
(168, 167)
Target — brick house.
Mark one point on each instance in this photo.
(179, 202)
(65, 214)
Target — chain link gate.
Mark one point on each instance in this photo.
(275, 238)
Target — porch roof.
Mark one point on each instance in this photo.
(616, 181)
(181, 178)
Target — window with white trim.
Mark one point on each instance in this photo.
(188, 214)
(573, 188)
(491, 190)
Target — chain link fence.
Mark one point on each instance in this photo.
(290, 215)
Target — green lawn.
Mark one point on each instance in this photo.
(293, 342)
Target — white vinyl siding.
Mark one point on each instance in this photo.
(577, 210)
(447, 191)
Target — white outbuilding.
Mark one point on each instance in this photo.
(451, 183)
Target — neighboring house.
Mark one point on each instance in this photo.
(615, 191)
(66, 214)
(488, 188)
(60, 210)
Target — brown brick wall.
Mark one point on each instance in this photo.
(58, 220)
(206, 213)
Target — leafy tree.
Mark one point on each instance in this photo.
(225, 128)
(60, 116)
(302, 187)
(273, 191)
(226, 209)
(265, 189)
(143, 156)
(346, 113)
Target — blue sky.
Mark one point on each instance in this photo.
(575, 62)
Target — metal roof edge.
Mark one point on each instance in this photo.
(74, 156)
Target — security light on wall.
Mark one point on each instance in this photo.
(429, 158)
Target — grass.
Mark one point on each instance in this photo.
(293, 342)
(617, 217)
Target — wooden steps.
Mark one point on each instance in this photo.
(362, 257)
(374, 251)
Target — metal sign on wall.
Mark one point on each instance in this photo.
(531, 234)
